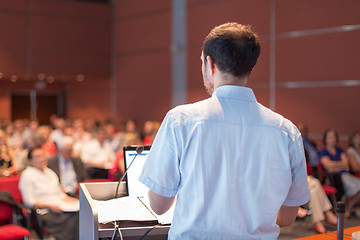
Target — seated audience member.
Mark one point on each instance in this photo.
(319, 205)
(119, 169)
(17, 154)
(78, 126)
(112, 137)
(9, 130)
(17, 135)
(42, 140)
(353, 152)
(98, 156)
(29, 134)
(40, 188)
(150, 130)
(336, 163)
(69, 170)
(20, 158)
(130, 126)
(7, 157)
(81, 137)
(7, 161)
(311, 150)
(57, 134)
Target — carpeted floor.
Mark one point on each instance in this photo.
(304, 227)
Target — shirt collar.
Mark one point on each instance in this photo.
(235, 92)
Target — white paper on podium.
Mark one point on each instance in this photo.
(122, 209)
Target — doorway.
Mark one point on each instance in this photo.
(35, 105)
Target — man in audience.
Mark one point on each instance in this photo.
(40, 188)
(17, 137)
(112, 138)
(311, 151)
(98, 156)
(58, 133)
(70, 170)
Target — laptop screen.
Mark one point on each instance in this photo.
(134, 186)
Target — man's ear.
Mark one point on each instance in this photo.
(211, 64)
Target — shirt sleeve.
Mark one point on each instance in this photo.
(299, 192)
(26, 188)
(161, 170)
(323, 153)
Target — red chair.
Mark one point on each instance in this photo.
(10, 184)
(9, 230)
(331, 193)
(329, 190)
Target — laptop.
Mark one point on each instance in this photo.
(134, 163)
(135, 206)
(134, 187)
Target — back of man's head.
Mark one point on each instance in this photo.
(233, 47)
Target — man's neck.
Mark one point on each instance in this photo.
(230, 80)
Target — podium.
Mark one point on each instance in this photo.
(90, 228)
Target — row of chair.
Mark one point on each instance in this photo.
(15, 219)
(11, 209)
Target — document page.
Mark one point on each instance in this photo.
(122, 209)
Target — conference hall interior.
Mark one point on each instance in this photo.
(112, 69)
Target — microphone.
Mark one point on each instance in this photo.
(340, 209)
(139, 150)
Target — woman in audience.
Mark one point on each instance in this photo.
(7, 159)
(335, 161)
(353, 152)
(319, 204)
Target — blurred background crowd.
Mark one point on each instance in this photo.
(98, 145)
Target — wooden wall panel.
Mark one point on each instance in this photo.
(204, 15)
(133, 37)
(4, 104)
(89, 99)
(143, 34)
(143, 86)
(326, 57)
(13, 38)
(309, 14)
(125, 9)
(70, 40)
(58, 38)
(143, 60)
(321, 108)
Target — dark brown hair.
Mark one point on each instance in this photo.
(233, 47)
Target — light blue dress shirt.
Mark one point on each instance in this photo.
(233, 163)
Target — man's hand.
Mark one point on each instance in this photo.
(55, 208)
